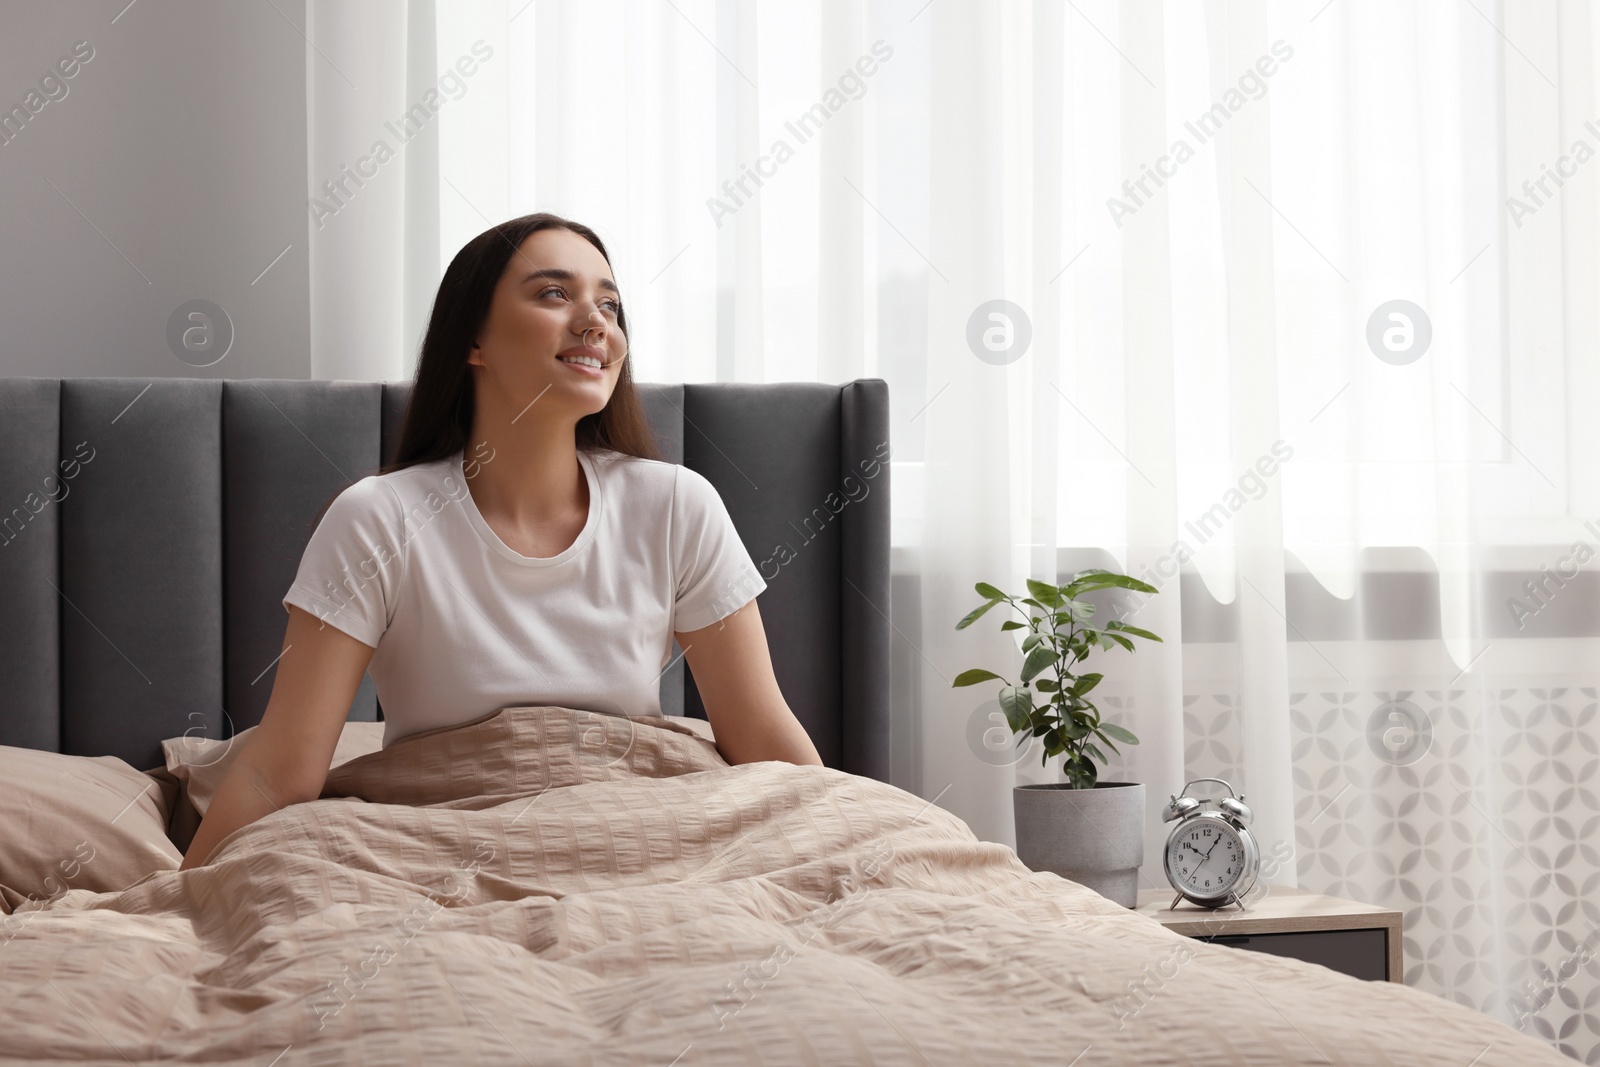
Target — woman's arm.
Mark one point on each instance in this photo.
(733, 671)
(286, 760)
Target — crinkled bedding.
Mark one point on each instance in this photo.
(554, 886)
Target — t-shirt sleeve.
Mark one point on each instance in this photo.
(714, 573)
(350, 572)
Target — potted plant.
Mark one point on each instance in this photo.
(1083, 829)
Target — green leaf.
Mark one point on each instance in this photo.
(1093, 750)
(1077, 731)
(973, 677)
(1086, 683)
(1013, 624)
(1017, 703)
(1082, 577)
(1123, 641)
(1046, 685)
(1134, 630)
(1078, 590)
(975, 614)
(1037, 660)
(1031, 640)
(1108, 580)
(1081, 773)
(1125, 736)
(988, 591)
(1032, 603)
(1047, 594)
(1105, 641)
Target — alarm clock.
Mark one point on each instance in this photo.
(1212, 858)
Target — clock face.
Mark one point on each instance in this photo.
(1205, 857)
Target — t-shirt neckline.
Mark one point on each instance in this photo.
(487, 535)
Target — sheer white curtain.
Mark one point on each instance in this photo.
(1201, 218)
(373, 203)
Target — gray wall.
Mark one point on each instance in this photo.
(182, 141)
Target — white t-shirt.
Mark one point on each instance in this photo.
(464, 625)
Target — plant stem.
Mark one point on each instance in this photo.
(1059, 702)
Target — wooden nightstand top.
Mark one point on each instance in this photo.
(1281, 910)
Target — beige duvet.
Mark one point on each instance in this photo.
(552, 886)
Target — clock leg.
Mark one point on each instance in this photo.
(1237, 899)
(1174, 905)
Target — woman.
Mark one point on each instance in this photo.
(525, 548)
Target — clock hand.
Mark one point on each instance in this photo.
(1204, 856)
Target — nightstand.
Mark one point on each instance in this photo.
(1360, 940)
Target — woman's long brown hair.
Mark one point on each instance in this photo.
(439, 413)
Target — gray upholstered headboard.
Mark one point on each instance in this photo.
(150, 527)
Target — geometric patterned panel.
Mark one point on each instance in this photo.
(1476, 813)
(1211, 734)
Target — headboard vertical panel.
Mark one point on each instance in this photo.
(664, 411)
(772, 451)
(864, 608)
(32, 486)
(141, 566)
(395, 397)
(288, 448)
(663, 407)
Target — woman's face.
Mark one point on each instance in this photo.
(555, 295)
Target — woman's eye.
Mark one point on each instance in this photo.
(616, 306)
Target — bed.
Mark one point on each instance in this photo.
(545, 884)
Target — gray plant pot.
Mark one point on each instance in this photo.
(1091, 836)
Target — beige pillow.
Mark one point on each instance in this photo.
(198, 765)
(79, 822)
